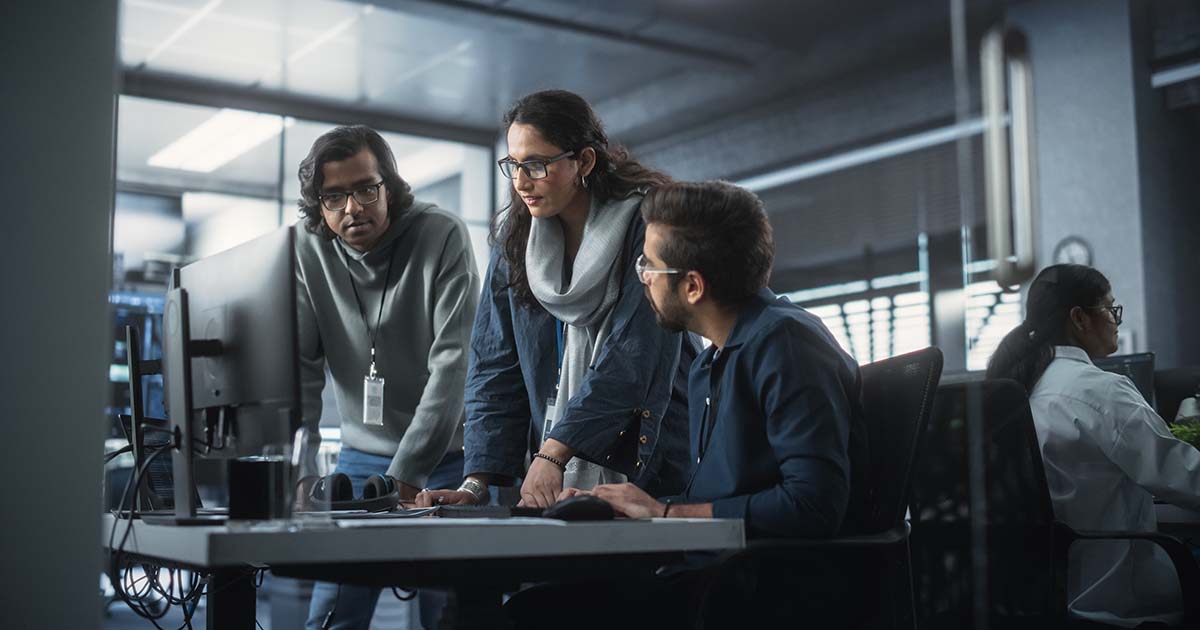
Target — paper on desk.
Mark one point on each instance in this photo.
(448, 522)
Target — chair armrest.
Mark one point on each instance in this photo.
(1181, 557)
(773, 546)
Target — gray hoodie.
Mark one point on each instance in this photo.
(421, 344)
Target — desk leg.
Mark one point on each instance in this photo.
(470, 608)
(231, 600)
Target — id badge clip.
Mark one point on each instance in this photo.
(552, 415)
(373, 398)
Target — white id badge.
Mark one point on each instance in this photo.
(552, 415)
(373, 400)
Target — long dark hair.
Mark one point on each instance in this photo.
(342, 143)
(565, 120)
(1028, 349)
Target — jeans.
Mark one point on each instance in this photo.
(353, 606)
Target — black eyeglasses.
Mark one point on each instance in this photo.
(336, 201)
(1117, 311)
(534, 169)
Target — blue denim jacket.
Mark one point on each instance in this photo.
(785, 442)
(630, 413)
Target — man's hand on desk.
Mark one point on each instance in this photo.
(633, 502)
(626, 498)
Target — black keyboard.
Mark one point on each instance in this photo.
(487, 511)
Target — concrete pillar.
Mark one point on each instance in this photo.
(56, 119)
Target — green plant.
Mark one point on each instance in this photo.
(1188, 432)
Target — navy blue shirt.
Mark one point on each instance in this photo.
(630, 413)
(786, 423)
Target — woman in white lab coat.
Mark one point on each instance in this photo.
(1107, 454)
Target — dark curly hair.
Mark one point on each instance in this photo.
(717, 229)
(339, 144)
(565, 120)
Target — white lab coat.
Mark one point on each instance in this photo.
(1107, 455)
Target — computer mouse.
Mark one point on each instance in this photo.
(580, 508)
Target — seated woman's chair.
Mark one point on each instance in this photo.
(860, 580)
(1008, 566)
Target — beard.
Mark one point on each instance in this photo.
(671, 315)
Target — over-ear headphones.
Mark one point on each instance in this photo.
(380, 494)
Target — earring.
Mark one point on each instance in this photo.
(583, 180)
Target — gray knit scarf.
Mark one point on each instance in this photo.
(585, 305)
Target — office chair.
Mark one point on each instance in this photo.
(861, 578)
(1023, 561)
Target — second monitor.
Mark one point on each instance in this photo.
(230, 358)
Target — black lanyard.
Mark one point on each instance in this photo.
(382, 297)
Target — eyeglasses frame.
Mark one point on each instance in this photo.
(642, 267)
(1116, 310)
(524, 166)
(346, 194)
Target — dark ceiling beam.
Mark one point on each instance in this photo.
(500, 12)
(218, 94)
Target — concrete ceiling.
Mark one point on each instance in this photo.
(652, 68)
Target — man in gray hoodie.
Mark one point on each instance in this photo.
(387, 288)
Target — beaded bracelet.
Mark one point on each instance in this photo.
(552, 460)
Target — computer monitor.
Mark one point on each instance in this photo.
(230, 354)
(1138, 367)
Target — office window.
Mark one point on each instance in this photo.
(992, 311)
(873, 319)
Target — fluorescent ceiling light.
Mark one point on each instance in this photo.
(183, 28)
(422, 68)
(1178, 74)
(219, 140)
(866, 155)
(330, 34)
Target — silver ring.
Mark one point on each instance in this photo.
(441, 500)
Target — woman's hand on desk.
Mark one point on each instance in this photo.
(407, 492)
(430, 498)
(542, 483)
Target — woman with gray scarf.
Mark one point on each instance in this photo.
(571, 382)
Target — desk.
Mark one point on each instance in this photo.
(479, 559)
(1179, 522)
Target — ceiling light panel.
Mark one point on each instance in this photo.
(145, 25)
(218, 140)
